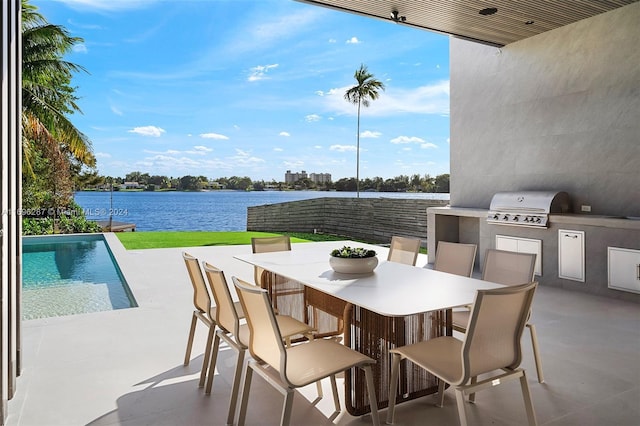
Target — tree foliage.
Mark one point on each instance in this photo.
(366, 90)
(54, 150)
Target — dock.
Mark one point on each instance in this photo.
(116, 226)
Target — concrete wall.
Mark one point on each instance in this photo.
(374, 220)
(558, 111)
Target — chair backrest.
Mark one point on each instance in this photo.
(404, 250)
(269, 244)
(508, 267)
(226, 315)
(455, 258)
(201, 297)
(497, 320)
(266, 343)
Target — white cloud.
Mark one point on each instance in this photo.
(370, 134)
(116, 111)
(148, 131)
(312, 118)
(202, 149)
(284, 134)
(319, 92)
(244, 158)
(342, 148)
(430, 99)
(278, 149)
(259, 72)
(428, 145)
(407, 139)
(353, 40)
(213, 136)
(333, 40)
(102, 155)
(80, 48)
(317, 146)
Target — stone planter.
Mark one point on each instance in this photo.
(347, 265)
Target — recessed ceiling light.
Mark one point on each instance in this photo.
(529, 22)
(488, 11)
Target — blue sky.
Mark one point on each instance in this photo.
(253, 88)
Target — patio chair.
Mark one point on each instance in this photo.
(203, 311)
(492, 342)
(268, 245)
(455, 258)
(236, 335)
(508, 268)
(404, 250)
(296, 366)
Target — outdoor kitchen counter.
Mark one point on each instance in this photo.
(606, 221)
(596, 220)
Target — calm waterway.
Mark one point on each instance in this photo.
(201, 211)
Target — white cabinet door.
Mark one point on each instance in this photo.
(571, 255)
(522, 245)
(624, 269)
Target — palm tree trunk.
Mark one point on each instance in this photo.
(358, 155)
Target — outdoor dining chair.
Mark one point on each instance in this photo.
(268, 245)
(204, 311)
(404, 250)
(490, 346)
(508, 268)
(236, 335)
(289, 368)
(455, 258)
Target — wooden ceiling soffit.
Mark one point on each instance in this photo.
(495, 23)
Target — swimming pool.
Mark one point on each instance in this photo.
(71, 274)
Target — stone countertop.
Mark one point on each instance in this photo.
(566, 218)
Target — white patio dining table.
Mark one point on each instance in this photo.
(395, 305)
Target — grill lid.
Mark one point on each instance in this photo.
(526, 208)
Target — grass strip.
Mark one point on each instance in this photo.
(161, 239)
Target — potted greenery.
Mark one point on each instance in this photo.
(353, 260)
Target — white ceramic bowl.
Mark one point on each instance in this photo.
(347, 265)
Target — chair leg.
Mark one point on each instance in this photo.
(287, 408)
(236, 386)
(441, 384)
(472, 396)
(319, 389)
(460, 403)
(393, 389)
(371, 389)
(528, 404)
(192, 332)
(207, 354)
(334, 389)
(212, 364)
(242, 414)
(536, 352)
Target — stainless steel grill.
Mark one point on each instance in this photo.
(526, 208)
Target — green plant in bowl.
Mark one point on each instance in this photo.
(353, 252)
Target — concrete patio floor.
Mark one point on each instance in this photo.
(125, 367)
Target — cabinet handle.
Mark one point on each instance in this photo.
(574, 236)
(638, 271)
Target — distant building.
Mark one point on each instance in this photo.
(294, 177)
(319, 178)
(130, 185)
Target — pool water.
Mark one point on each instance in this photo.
(66, 275)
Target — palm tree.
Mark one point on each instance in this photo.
(47, 96)
(361, 94)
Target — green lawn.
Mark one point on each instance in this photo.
(147, 240)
